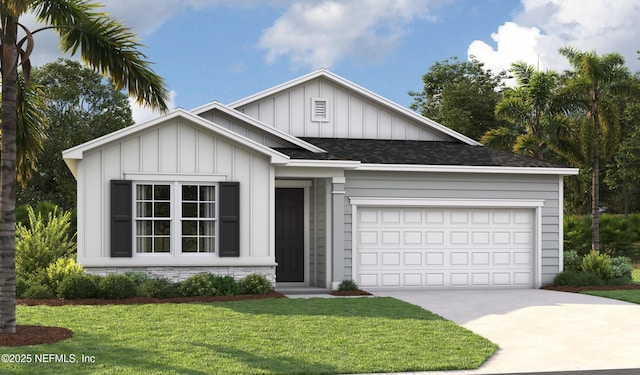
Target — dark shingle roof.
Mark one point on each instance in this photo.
(375, 151)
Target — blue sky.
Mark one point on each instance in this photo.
(227, 49)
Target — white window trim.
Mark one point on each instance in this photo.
(176, 219)
(534, 204)
(170, 178)
(179, 219)
(135, 219)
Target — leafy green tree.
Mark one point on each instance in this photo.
(461, 95)
(597, 78)
(623, 171)
(535, 112)
(104, 44)
(80, 106)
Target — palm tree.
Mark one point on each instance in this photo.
(596, 78)
(105, 45)
(535, 112)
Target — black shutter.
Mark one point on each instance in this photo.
(229, 197)
(121, 220)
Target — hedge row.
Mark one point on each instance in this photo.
(78, 284)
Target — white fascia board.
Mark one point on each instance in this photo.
(342, 164)
(467, 169)
(278, 88)
(362, 91)
(78, 151)
(437, 202)
(257, 124)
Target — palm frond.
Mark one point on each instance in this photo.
(106, 45)
(31, 128)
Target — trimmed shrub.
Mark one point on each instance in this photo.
(61, 269)
(198, 285)
(42, 242)
(38, 292)
(78, 286)
(598, 263)
(577, 279)
(572, 261)
(255, 283)
(158, 288)
(621, 269)
(347, 285)
(137, 277)
(116, 286)
(226, 285)
(21, 286)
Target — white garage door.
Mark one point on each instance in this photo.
(401, 247)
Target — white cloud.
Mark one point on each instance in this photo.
(543, 26)
(143, 114)
(320, 33)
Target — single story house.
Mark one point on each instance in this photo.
(312, 182)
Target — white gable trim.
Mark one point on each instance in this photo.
(72, 155)
(466, 169)
(362, 91)
(257, 124)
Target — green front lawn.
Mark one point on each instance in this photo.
(632, 295)
(270, 336)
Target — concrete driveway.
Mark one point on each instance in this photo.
(540, 330)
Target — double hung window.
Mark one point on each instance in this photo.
(189, 226)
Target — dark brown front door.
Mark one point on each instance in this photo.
(290, 235)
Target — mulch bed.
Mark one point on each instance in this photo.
(142, 300)
(34, 335)
(350, 293)
(573, 289)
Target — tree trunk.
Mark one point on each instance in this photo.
(8, 179)
(595, 174)
(595, 201)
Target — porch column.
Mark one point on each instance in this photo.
(337, 230)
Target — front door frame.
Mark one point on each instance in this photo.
(306, 186)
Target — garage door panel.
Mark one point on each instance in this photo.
(368, 259)
(390, 259)
(459, 279)
(435, 259)
(480, 279)
(459, 259)
(390, 237)
(391, 280)
(434, 238)
(480, 258)
(445, 248)
(522, 278)
(501, 279)
(459, 238)
(413, 258)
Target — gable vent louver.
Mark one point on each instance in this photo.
(319, 109)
